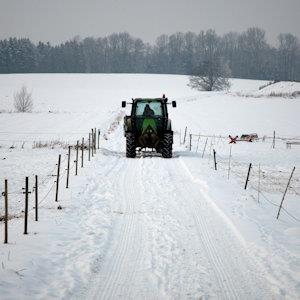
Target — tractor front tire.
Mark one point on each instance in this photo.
(130, 145)
(167, 143)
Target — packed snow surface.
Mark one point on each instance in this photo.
(151, 228)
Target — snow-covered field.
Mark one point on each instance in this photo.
(150, 228)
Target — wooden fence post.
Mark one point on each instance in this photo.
(204, 147)
(5, 194)
(229, 162)
(92, 142)
(287, 186)
(98, 138)
(215, 161)
(57, 177)
(36, 193)
(248, 174)
(191, 142)
(198, 143)
(89, 146)
(82, 150)
(258, 188)
(180, 136)
(76, 161)
(26, 206)
(68, 167)
(95, 140)
(273, 144)
(184, 137)
(210, 149)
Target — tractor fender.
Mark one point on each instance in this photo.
(127, 124)
(169, 125)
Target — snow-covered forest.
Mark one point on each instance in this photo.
(248, 54)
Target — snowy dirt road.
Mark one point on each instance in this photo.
(169, 240)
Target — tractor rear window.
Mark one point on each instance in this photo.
(149, 109)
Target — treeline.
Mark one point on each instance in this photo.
(247, 54)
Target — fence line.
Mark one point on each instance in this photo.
(224, 165)
(46, 178)
(265, 137)
(263, 195)
(266, 167)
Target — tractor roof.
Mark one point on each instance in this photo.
(150, 99)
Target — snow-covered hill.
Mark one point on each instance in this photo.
(148, 227)
(282, 87)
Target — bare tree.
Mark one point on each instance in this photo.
(212, 72)
(23, 100)
(287, 56)
(254, 52)
(213, 77)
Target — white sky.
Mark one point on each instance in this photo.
(60, 20)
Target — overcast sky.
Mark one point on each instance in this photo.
(60, 20)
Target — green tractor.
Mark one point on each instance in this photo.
(148, 126)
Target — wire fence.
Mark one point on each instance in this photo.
(263, 138)
(270, 180)
(88, 148)
(43, 180)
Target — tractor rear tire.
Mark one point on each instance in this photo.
(167, 143)
(130, 145)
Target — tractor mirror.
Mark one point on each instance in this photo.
(123, 103)
(174, 103)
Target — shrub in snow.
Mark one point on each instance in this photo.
(50, 144)
(23, 100)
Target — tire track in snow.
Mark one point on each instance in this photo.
(137, 244)
(182, 192)
(235, 274)
(163, 220)
(175, 263)
(133, 253)
(116, 275)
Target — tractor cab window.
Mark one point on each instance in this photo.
(149, 109)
